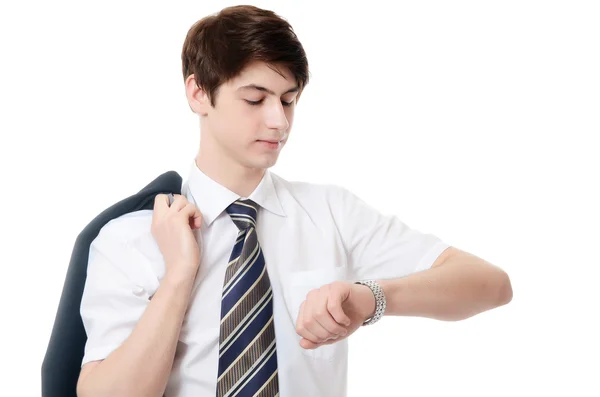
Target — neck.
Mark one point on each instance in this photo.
(223, 170)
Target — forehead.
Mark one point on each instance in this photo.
(273, 77)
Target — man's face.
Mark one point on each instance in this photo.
(255, 107)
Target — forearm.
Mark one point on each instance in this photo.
(460, 288)
(142, 364)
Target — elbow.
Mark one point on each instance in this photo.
(505, 292)
(85, 390)
(89, 384)
(81, 390)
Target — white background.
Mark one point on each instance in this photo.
(476, 121)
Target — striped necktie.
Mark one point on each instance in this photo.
(247, 350)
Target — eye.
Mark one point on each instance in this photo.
(255, 103)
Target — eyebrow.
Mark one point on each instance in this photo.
(259, 88)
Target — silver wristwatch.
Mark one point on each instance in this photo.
(379, 299)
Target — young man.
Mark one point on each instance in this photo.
(245, 285)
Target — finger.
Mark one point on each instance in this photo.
(179, 202)
(334, 307)
(300, 329)
(310, 322)
(193, 214)
(307, 344)
(161, 202)
(324, 317)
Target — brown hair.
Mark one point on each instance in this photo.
(219, 46)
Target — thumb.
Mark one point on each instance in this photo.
(194, 215)
(334, 305)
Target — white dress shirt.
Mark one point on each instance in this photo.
(311, 235)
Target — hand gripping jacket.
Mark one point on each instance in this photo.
(62, 361)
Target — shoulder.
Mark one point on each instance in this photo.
(126, 229)
(122, 254)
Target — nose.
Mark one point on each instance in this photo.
(276, 118)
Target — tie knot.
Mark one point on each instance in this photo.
(243, 213)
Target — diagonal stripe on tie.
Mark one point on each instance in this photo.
(250, 258)
(270, 388)
(247, 343)
(245, 307)
(237, 268)
(254, 353)
(257, 377)
(240, 340)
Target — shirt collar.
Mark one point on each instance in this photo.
(212, 198)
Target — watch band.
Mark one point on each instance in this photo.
(379, 299)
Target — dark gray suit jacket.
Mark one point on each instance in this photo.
(62, 362)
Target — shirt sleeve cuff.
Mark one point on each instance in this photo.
(431, 255)
(97, 353)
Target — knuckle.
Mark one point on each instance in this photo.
(337, 284)
(320, 313)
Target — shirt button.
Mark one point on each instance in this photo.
(138, 290)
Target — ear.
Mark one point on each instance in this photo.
(196, 96)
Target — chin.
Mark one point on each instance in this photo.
(262, 163)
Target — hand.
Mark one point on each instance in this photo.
(333, 312)
(172, 228)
